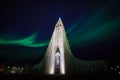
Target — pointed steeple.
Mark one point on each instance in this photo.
(59, 23)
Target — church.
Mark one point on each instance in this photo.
(59, 59)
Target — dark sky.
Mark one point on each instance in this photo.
(92, 28)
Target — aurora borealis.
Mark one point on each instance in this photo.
(28, 41)
(28, 27)
(96, 32)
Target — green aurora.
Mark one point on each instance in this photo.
(83, 35)
(99, 26)
(97, 33)
(28, 41)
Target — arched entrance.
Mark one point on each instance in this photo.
(57, 62)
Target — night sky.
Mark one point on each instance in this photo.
(92, 28)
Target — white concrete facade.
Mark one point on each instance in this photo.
(57, 42)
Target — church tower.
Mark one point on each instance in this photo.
(55, 52)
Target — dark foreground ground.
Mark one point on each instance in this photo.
(58, 77)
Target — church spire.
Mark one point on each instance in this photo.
(59, 23)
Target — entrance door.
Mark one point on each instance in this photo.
(57, 63)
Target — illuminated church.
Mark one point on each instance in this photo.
(59, 59)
